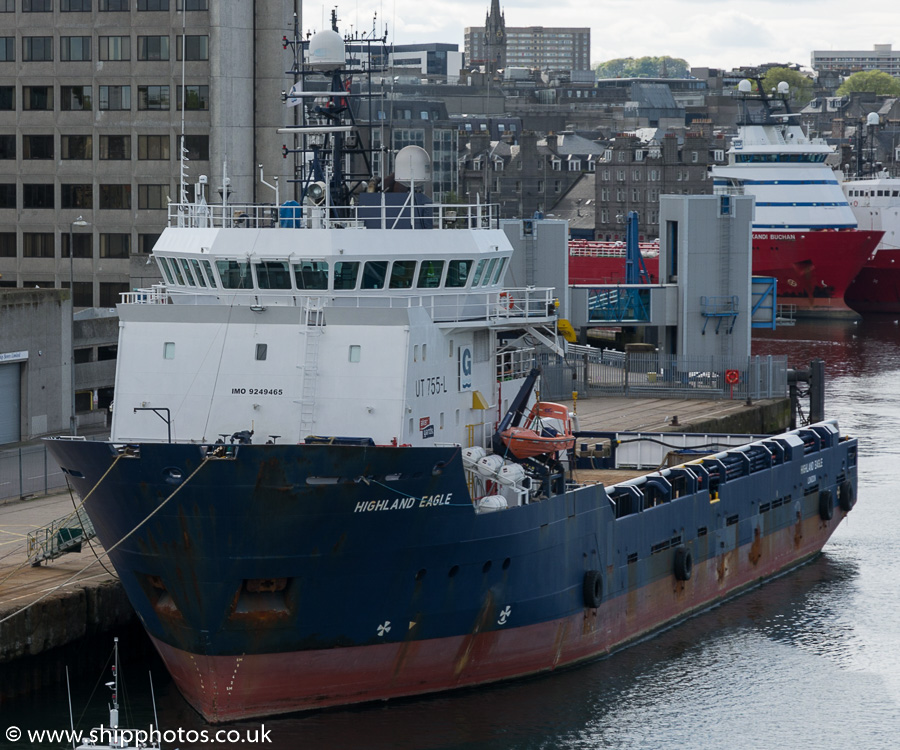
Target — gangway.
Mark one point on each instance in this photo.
(60, 537)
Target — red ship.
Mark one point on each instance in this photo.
(805, 234)
(876, 204)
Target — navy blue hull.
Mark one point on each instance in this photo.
(316, 552)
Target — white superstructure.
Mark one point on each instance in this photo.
(773, 159)
(875, 201)
(330, 324)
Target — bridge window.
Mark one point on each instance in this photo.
(490, 270)
(166, 271)
(478, 272)
(499, 271)
(179, 279)
(273, 274)
(430, 274)
(458, 273)
(402, 274)
(195, 265)
(374, 273)
(345, 274)
(207, 266)
(235, 274)
(311, 274)
(186, 267)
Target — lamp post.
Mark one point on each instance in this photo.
(79, 222)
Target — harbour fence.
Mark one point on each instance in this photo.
(26, 471)
(604, 372)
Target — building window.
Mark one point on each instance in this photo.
(153, 97)
(115, 47)
(7, 6)
(82, 242)
(8, 195)
(115, 97)
(116, 197)
(196, 97)
(37, 244)
(74, 48)
(7, 98)
(75, 6)
(7, 244)
(153, 4)
(37, 97)
(111, 293)
(76, 196)
(7, 146)
(146, 243)
(7, 48)
(193, 4)
(37, 6)
(620, 175)
(636, 175)
(115, 5)
(37, 48)
(115, 245)
(153, 147)
(152, 197)
(37, 146)
(38, 196)
(197, 147)
(196, 48)
(75, 98)
(153, 47)
(115, 147)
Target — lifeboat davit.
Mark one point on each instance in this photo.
(548, 429)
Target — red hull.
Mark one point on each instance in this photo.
(813, 269)
(877, 287)
(226, 688)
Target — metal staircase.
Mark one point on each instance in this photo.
(314, 321)
(59, 537)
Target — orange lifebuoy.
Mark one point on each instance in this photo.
(855, 203)
(506, 300)
(731, 376)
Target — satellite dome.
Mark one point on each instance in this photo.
(745, 87)
(872, 118)
(326, 51)
(784, 87)
(412, 163)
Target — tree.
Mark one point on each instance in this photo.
(871, 81)
(801, 86)
(643, 67)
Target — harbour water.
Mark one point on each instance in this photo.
(810, 660)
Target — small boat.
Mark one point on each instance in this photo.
(112, 736)
(546, 431)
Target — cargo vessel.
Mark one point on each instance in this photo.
(876, 204)
(310, 491)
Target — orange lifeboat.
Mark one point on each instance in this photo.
(548, 429)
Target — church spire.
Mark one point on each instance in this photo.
(495, 38)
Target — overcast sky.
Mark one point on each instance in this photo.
(704, 32)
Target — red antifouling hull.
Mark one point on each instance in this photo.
(877, 287)
(226, 688)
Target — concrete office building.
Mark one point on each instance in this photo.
(544, 48)
(881, 57)
(90, 117)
